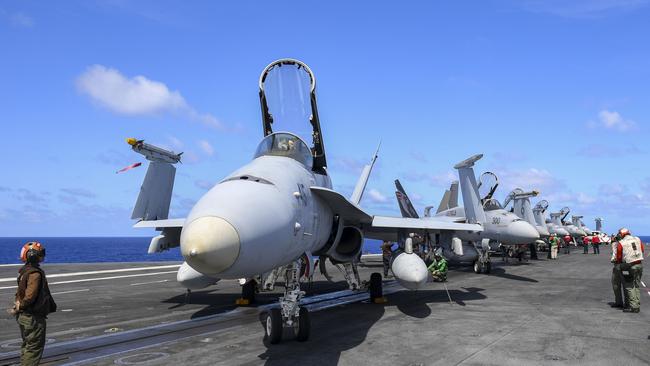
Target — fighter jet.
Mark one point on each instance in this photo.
(521, 207)
(540, 218)
(577, 222)
(499, 225)
(604, 238)
(575, 231)
(276, 213)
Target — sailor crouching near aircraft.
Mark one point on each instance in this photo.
(617, 278)
(33, 303)
(438, 267)
(630, 253)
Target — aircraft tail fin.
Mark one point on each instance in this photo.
(155, 193)
(444, 202)
(469, 189)
(363, 179)
(599, 224)
(405, 205)
(453, 194)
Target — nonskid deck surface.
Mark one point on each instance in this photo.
(539, 312)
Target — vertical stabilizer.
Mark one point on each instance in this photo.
(405, 205)
(155, 193)
(453, 194)
(599, 224)
(540, 212)
(444, 202)
(363, 179)
(469, 189)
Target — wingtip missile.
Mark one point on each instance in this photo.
(153, 153)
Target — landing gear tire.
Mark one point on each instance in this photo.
(375, 287)
(274, 326)
(248, 291)
(477, 267)
(487, 268)
(304, 325)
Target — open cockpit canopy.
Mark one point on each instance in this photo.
(288, 101)
(287, 145)
(491, 204)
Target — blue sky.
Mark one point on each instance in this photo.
(554, 93)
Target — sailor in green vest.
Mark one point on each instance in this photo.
(553, 243)
(438, 267)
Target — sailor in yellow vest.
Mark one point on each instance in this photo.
(629, 253)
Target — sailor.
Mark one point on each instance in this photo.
(585, 245)
(438, 267)
(630, 253)
(595, 243)
(553, 242)
(386, 254)
(33, 303)
(617, 278)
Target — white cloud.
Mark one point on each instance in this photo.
(442, 179)
(206, 147)
(136, 96)
(376, 196)
(612, 120)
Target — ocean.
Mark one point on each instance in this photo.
(103, 249)
(112, 249)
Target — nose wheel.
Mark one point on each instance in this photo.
(290, 314)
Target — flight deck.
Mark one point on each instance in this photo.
(535, 312)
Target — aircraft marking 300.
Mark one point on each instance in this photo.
(277, 212)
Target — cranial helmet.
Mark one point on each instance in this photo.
(32, 251)
(438, 252)
(623, 232)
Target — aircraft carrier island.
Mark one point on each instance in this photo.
(537, 312)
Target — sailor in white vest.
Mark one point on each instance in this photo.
(629, 253)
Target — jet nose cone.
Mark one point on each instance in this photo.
(210, 244)
(522, 232)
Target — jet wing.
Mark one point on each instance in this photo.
(351, 213)
(168, 223)
(421, 224)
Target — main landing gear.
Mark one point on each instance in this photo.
(290, 314)
(482, 264)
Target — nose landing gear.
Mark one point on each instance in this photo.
(290, 314)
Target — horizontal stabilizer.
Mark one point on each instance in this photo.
(160, 223)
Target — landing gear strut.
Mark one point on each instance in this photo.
(482, 264)
(290, 314)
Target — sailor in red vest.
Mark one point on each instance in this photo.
(585, 245)
(567, 243)
(595, 243)
(629, 253)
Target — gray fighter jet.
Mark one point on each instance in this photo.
(577, 222)
(522, 207)
(499, 225)
(540, 218)
(278, 212)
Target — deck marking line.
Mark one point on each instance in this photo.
(643, 284)
(69, 292)
(98, 279)
(8, 279)
(147, 283)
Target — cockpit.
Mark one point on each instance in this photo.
(491, 205)
(287, 145)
